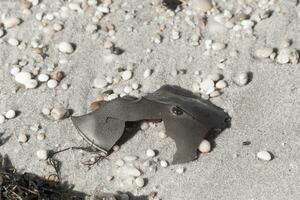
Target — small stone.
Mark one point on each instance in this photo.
(215, 93)
(91, 28)
(221, 84)
(264, 155)
(214, 77)
(109, 178)
(204, 146)
(264, 52)
(144, 126)
(120, 162)
(66, 47)
(10, 114)
(207, 86)
(64, 86)
(116, 148)
(140, 182)
(283, 56)
(162, 133)
(52, 83)
(163, 163)
(46, 111)
(99, 83)
(130, 171)
(22, 138)
(202, 5)
(126, 75)
(11, 22)
(42, 154)
(135, 86)
(147, 73)
(30, 84)
(40, 136)
(218, 46)
(175, 35)
(180, 170)
(58, 113)
(150, 153)
(2, 119)
(127, 89)
(57, 75)
(57, 27)
(108, 44)
(241, 79)
(13, 41)
(112, 96)
(22, 77)
(130, 158)
(43, 77)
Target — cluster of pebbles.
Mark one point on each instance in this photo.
(10, 114)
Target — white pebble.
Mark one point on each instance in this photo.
(30, 84)
(13, 41)
(241, 79)
(150, 153)
(40, 136)
(207, 86)
(163, 163)
(66, 47)
(99, 83)
(22, 77)
(43, 77)
(126, 75)
(140, 182)
(144, 126)
(180, 170)
(64, 86)
(120, 162)
(215, 93)
(175, 35)
(52, 83)
(42, 154)
(283, 56)
(130, 158)
(221, 84)
(2, 119)
(91, 28)
(130, 171)
(214, 77)
(112, 96)
(11, 22)
(58, 113)
(10, 114)
(147, 73)
(264, 155)
(46, 111)
(58, 27)
(14, 71)
(202, 5)
(127, 89)
(135, 86)
(218, 46)
(264, 52)
(22, 138)
(204, 146)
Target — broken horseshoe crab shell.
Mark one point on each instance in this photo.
(187, 118)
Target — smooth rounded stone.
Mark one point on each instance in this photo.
(57, 27)
(30, 84)
(130, 158)
(11, 22)
(180, 170)
(14, 71)
(144, 126)
(22, 138)
(2, 33)
(112, 96)
(283, 56)
(214, 77)
(42, 154)
(58, 113)
(241, 79)
(52, 83)
(43, 77)
(46, 111)
(264, 155)
(215, 93)
(147, 73)
(202, 5)
(120, 163)
(150, 153)
(164, 164)
(130, 171)
(264, 52)
(13, 42)
(175, 35)
(10, 114)
(40, 136)
(127, 89)
(140, 182)
(66, 47)
(116, 148)
(2, 119)
(218, 46)
(162, 133)
(207, 85)
(99, 83)
(22, 77)
(64, 86)
(135, 86)
(204, 146)
(221, 84)
(91, 28)
(126, 75)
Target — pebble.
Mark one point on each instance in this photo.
(180, 170)
(40, 136)
(214, 77)
(58, 113)
(13, 41)
(57, 27)
(120, 162)
(14, 71)
(147, 73)
(264, 155)
(218, 46)
(116, 148)
(140, 182)
(130, 171)
(42, 154)
(130, 158)
(43, 77)
(52, 83)
(204, 146)
(30, 84)
(22, 77)
(144, 126)
(150, 153)
(215, 93)
(99, 83)
(135, 86)
(11, 22)
(10, 114)
(283, 56)
(207, 86)
(22, 138)
(91, 28)
(162, 133)
(112, 96)
(126, 75)
(163, 163)
(2, 119)
(175, 35)
(46, 111)
(221, 84)
(241, 79)
(66, 47)
(264, 52)
(202, 5)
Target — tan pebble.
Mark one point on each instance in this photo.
(116, 148)
(57, 75)
(204, 146)
(162, 133)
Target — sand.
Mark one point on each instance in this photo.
(265, 112)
